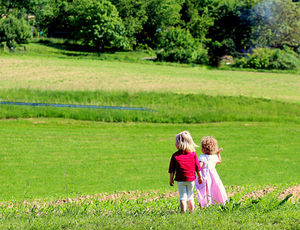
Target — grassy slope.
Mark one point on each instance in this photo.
(44, 69)
(57, 157)
(168, 107)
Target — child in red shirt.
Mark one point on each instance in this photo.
(183, 164)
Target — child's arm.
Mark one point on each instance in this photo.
(171, 179)
(199, 177)
(198, 172)
(219, 156)
(172, 169)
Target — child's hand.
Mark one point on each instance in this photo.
(171, 182)
(200, 180)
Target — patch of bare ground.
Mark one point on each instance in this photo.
(131, 195)
(152, 196)
(295, 191)
(260, 193)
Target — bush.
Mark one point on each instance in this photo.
(267, 58)
(297, 50)
(98, 24)
(286, 59)
(14, 31)
(178, 45)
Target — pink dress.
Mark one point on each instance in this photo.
(212, 190)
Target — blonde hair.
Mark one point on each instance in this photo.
(184, 141)
(209, 145)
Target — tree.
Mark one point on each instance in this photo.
(161, 14)
(98, 24)
(14, 31)
(133, 14)
(53, 17)
(276, 23)
(229, 28)
(6, 5)
(197, 17)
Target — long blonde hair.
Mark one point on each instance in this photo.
(184, 141)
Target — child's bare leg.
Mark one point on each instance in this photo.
(191, 205)
(183, 206)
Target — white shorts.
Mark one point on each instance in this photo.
(186, 190)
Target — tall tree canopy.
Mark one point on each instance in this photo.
(134, 16)
(213, 28)
(276, 23)
(97, 23)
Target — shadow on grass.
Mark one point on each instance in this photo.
(66, 45)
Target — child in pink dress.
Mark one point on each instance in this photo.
(211, 191)
(183, 165)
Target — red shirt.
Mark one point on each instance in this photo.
(184, 164)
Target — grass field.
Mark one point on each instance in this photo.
(166, 107)
(50, 155)
(55, 72)
(77, 157)
(151, 211)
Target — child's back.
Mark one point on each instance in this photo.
(184, 164)
(211, 190)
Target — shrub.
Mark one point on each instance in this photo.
(98, 24)
(297, 50)
(178, 45)
(267, 58)
(285, 59)
(14, 31)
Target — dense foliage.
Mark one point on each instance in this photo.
(208, 29)
(277, 23)
(14, 30)
(97, 24)
(266, 58)
(178, 45)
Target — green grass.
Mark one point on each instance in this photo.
(163, 213)
(43, 158)
(64, 49)
(54, 154)
(168, 107)
(41, 69)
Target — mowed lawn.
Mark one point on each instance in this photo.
(44, 158)
(66, 73)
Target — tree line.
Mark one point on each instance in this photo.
(256, 33)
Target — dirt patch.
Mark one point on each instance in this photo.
(156, 194)
(260, 193)
(130, 195)
(295, 191)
